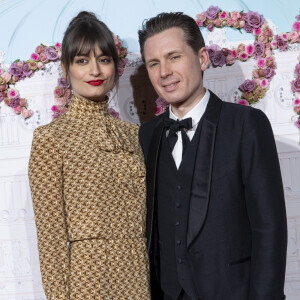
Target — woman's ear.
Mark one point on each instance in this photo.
(204, 58)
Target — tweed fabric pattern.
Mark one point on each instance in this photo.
(87, 180)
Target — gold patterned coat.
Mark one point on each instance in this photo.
(87, 181)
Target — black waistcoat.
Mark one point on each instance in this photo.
(172, 196)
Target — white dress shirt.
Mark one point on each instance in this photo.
(195, 113)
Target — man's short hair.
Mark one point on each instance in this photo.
(164, 21)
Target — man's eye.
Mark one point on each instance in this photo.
(175, 57)
(153, 65)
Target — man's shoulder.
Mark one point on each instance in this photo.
(149, 126)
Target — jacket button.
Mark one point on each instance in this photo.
(179, 260)
(178, 204)
(178, 242)
(177, 223)
(179, 187)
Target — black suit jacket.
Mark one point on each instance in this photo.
(237, 230)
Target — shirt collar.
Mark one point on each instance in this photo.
(196, 112)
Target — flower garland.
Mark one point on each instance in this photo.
(43, 54)
(20, 70)
(252, 22)
(281, 42)
(63, 93)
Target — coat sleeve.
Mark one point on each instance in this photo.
(45, 178)
(266, 208)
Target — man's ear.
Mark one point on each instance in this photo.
(63, 70)
(203, 58)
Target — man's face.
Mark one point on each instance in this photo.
(173, 67)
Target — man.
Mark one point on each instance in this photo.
(216, 221)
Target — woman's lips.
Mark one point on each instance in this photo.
(95, 82)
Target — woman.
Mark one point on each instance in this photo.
(87, 181)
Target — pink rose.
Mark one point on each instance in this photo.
(199, 23)
(218, 22)
(223, 15)
(293, 36)
(6, 76)
(40, 65)
(243, 56)
(57, 46)
(230, 21)
(235, 15)
(58, 92)
(61, 100)
(17, 109)
(26, 113)
(23, 102)
(296, 26)
(241, 48)
(243, 102)
(241, 23)
(54, 108)
(261, 63)
(250, 49)
(257, 31)
(43, 57)
(35, 56)
(268, 32)
(263, 39)
(297, 109)
(12, 93)
(234, 53)
(230, 59)
(284, 36)
(264, 83)
(274, 44)
(68, 93)
(39, 49)
(296, 102)
(201, 17)
(236, 24)
(255, 74)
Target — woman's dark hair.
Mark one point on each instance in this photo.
(164, 21)
(83, 34)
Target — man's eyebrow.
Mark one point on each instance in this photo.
(176, 51)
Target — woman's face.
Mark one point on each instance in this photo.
(92, 76)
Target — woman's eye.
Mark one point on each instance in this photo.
(105, 60)
(81, 61)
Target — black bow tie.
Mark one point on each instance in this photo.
(176, 125)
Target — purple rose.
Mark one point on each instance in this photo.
(281, 43)
(269, 72)
(63, 83)
(248, 28)
(211, 51)
(297, 69)
(51, 53)
(15, 70)
(259, 49)
(218, 59)
(212, 12)
(254, 19)
(296, 85)
(26, 70)
(248, 86)
(15, 102)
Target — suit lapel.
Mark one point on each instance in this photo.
(151, 175)
(200, 190)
